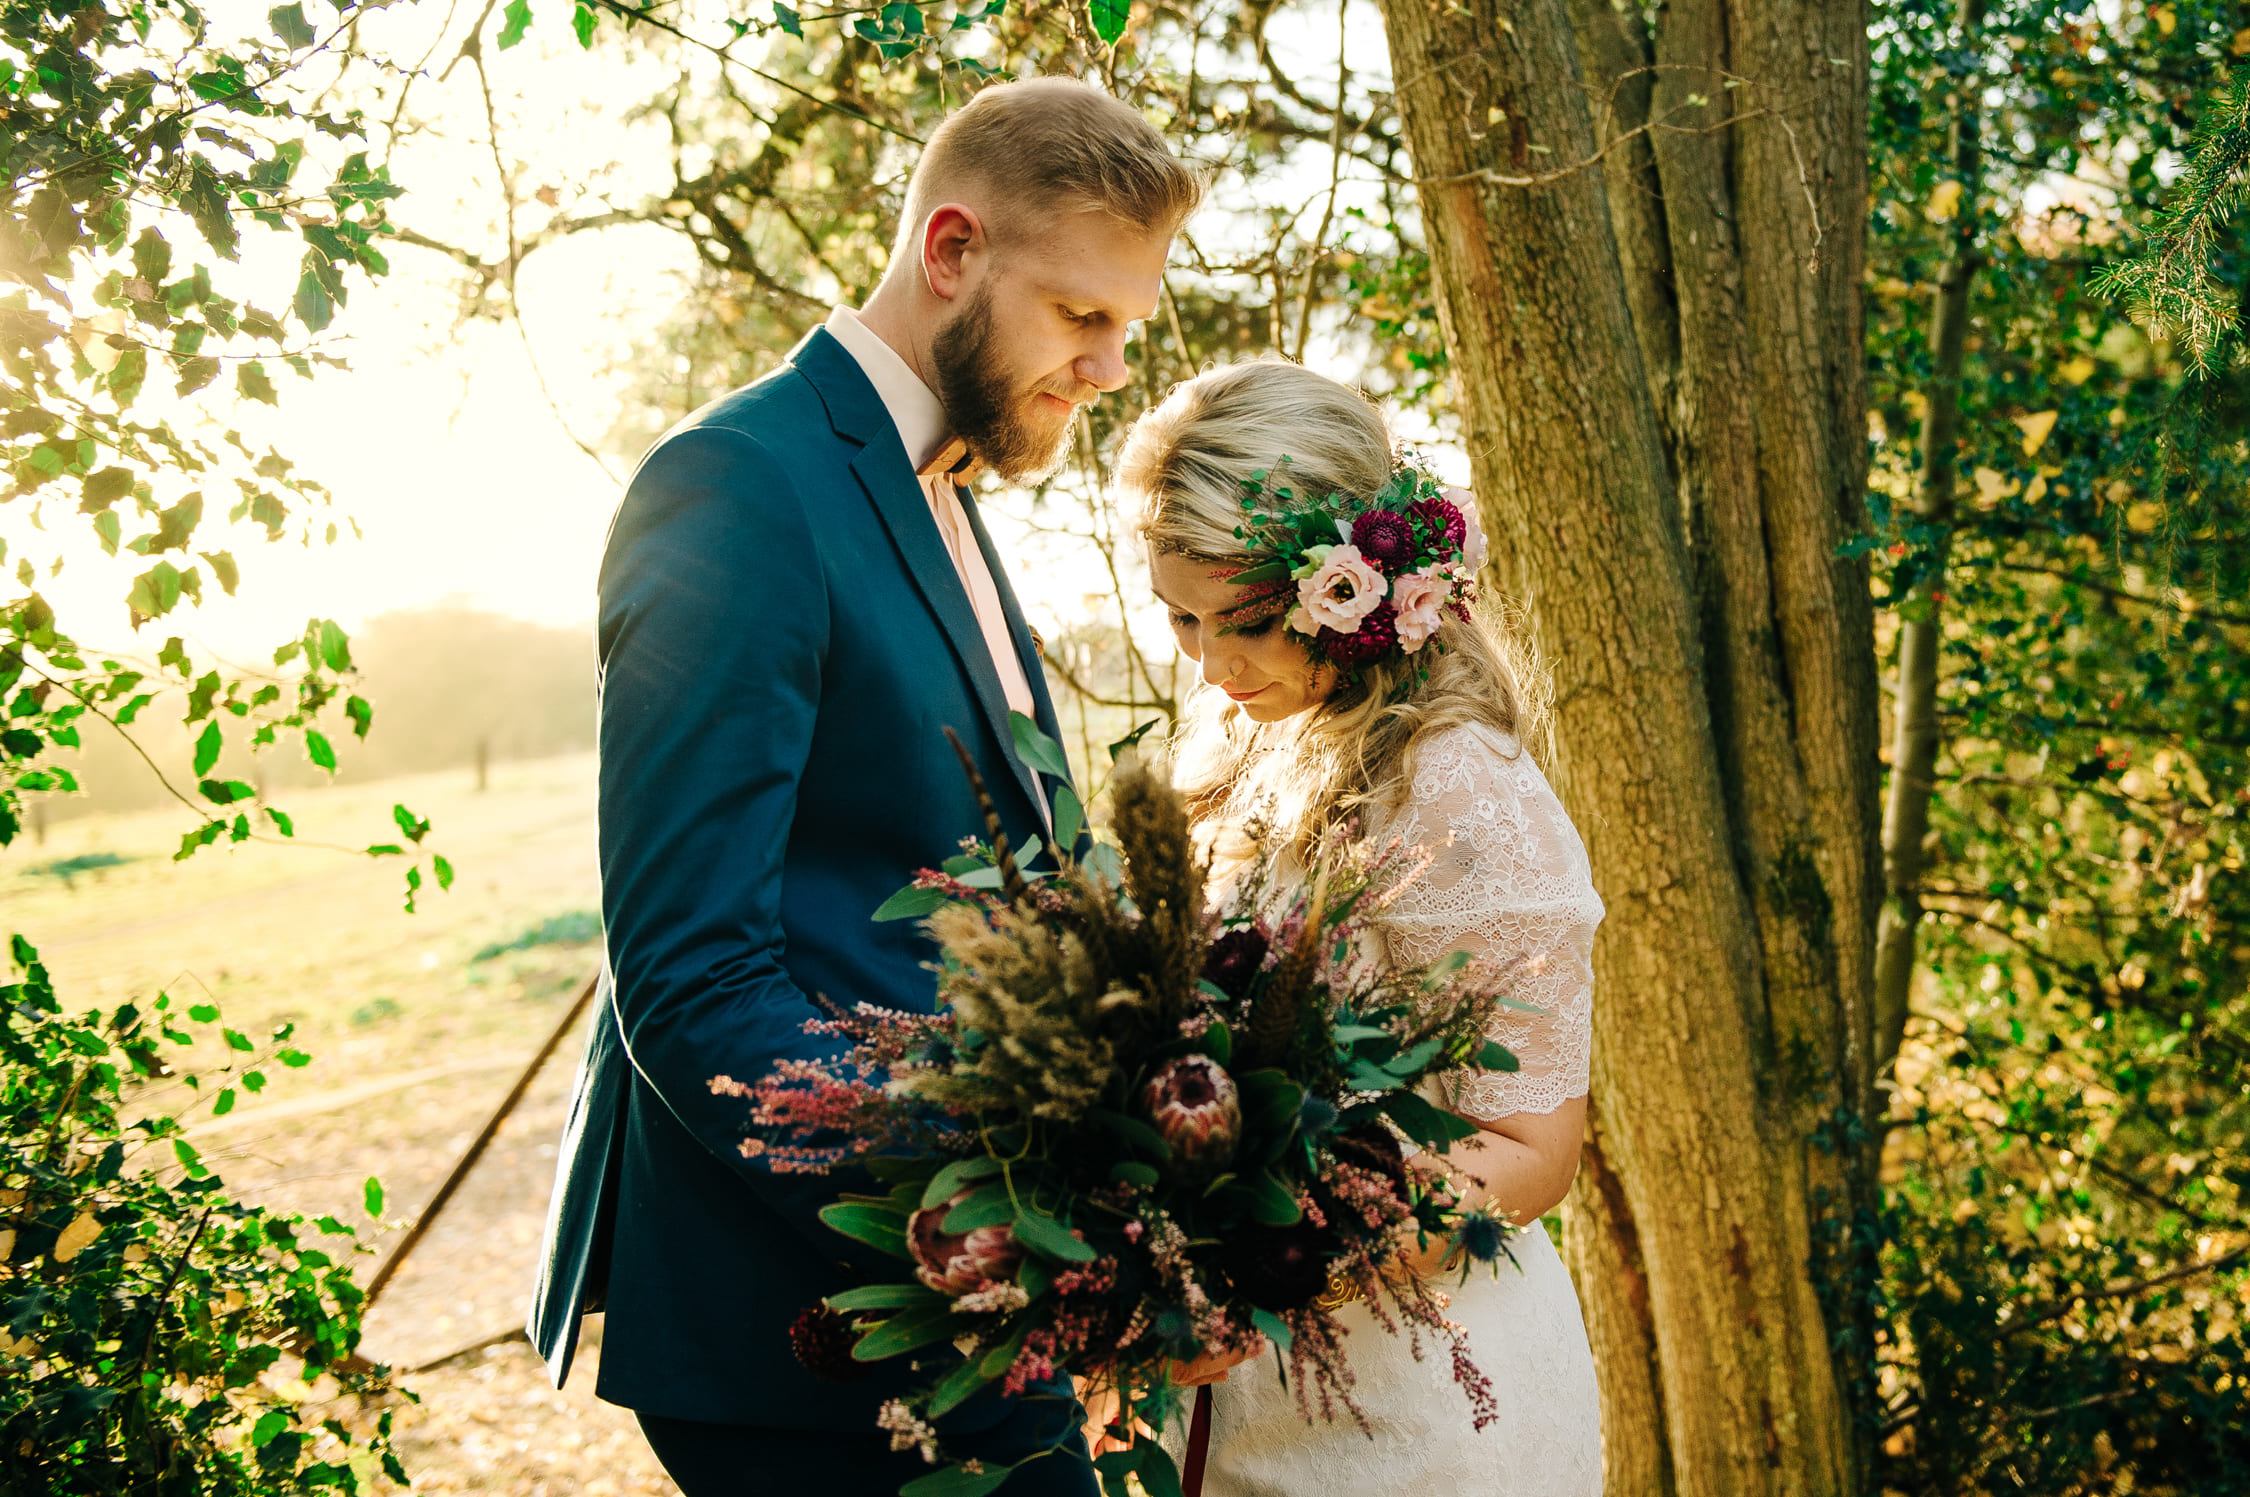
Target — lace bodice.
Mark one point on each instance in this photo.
(1508, 881)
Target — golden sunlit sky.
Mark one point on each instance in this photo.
(439, 441)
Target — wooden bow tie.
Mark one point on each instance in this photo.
(954, 460)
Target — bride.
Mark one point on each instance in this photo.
(1410, 722)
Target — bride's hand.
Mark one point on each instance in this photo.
(1213, 1367)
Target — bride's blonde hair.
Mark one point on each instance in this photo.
(1288, 784)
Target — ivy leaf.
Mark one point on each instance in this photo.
(443, 870)
(516, 20)
(787, 20)
(371, 1194)
(207, 750)
(317, 750)
(335, 645)
(582, 22)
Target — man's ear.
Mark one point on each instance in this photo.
(951, 236)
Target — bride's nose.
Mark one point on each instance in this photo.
(1219, 665)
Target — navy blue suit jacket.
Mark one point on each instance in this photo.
(783, 641)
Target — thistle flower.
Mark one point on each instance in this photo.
(1483, 1235)
(1195, 1107)
(960, 1262)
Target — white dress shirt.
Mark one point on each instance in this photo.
(922, 427)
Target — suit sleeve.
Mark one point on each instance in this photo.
(714, 628)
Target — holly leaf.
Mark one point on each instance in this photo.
(290, 25)
(515, 21)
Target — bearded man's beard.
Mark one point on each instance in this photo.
(994, 415)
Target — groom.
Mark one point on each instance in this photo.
(797, 600)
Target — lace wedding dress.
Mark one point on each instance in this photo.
(1508, 880)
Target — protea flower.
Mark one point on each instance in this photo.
(960, 1262)
(1195, 1107)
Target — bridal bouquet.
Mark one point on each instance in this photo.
(1135, 1132)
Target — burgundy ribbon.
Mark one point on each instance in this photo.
(1199, 1443)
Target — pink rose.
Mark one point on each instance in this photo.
(1472, 543)
(1341, 591)
(1420, 599)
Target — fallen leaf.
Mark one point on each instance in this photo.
(2035, 428)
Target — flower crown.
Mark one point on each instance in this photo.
(1359, 579)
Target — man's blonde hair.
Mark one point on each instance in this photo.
(1056, 146)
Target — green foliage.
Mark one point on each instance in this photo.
(142, 150)
(157, 1336)
(2067, 1159)
(2175, 286)
(572, 929)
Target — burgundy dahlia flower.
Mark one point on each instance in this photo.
(1376, 636)
(1385, 538)
(823, 1339)
(1234, 959)
(1194, 1105)
(959, 1262)
(1444, 518)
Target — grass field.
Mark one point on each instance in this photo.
(417, 1025)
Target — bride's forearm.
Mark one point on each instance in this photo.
(1520, 1166)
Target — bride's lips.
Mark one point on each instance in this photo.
(1244, 696)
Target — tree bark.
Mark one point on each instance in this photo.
(1656, 352)
(1921, 630)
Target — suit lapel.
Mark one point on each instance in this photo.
(884, 472)
(1019, 632)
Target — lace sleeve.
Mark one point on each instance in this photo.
(1508, 882)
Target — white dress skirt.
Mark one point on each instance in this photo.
(1508, 882)
(1525, 1333)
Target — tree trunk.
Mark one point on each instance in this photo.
(1914, 740)
(1657, 359)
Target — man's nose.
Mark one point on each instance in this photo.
(1105, 368)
